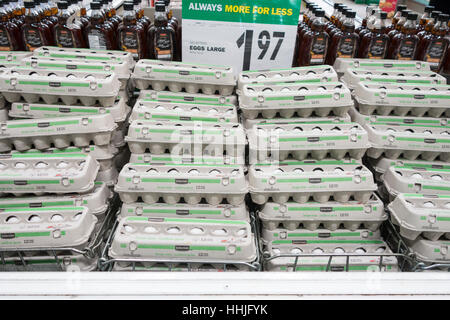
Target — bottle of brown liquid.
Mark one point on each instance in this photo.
(344, 43)
(176, 25)
(100, 34)
(340, 15)
(35, 33)
(161, 36)
(433, 47)
(398, 14)
(404, 44)
(333, 16)
(10, 36)
(17, 9)
(314, 45)
(83, 21)
(68, 34)
(374, 45)
(300, 26)
(425, 18)
(430, 24)
(307, 28)
(398, 26)
(375, 14)
(363, 25)
(338, 27)
(132, 36)
(141, 18)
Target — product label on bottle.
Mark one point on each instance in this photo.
(64, 38)
(97, 40)
(346, 47)
(5, 43)
(129, 42)
(318, 50)
(407, 49)
(163, 46)
(33, 39)
(377, 48)
(436, 52)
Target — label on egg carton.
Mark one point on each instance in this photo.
(186, 137)
(305, 234)
(58, 173)
(119, 111)
(58, 227)
(190, 181)
(250, 123)
(198, 98)
(108, 176)
(382, 164)
(299, 140)
(401, 99)
(13, 58)
(310, 215)
(52, 84)
(329, 255)
(426, 215)
(341, 65)
(124, 265)
(97, 200)
(177, 76)
(44, 263)
(59, 132)
(430, 251)
(182, 210)
(321, 73)
(147, 109)
(172, 159)
(417, 179)
(340, 179)
(291, 97)
(183, 239)
(110, 56)
(352, 77)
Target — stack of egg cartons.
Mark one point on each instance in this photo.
(184, 189)
(404, 108)
(58, 146)
(315, 197)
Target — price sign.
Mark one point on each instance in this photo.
(247, 34)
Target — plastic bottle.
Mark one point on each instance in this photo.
(398, 26)
(344, 43)
(375, 44)
(339, 16)
(132, 35)
(10, 35)
(35, 32)
(404, 44)
(100, 34)
(314, 45)
(161, 36)
(68, 33)
(18, 17)
(375, 15)
(425, 18)
(398, 13)
(333, 16)
(430, 24)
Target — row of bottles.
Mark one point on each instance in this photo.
(33, 23)
(320, 41)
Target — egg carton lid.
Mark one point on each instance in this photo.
(305, 234)
(207, 114)
(313, 211)
(181, 210)
(227, 239)
(119, 110)
(97, 152)
(430, 251)
(174, 159)
(85, 54)
(97, 200)
(321, 73)
(249, 123)
(169, 96)
(58, 227)
(343, 64)
(382, 164)
(182, 72)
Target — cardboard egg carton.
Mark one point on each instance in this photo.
(300, 140)
(421, 215)
(52, 85)
(58, 173)
(322, 73)
(352, 77)
(119, 111)
(177, 76)
(332, 215)
(402, 99)
(25, 228)
(13, 58)
(197, 98)
(430, 251)
(97, 201)
(183, 240)
(180, 266)
(330, 255)
(288, 99)
(108, 176)
(179, 111)
(214, 183)
(118, 135)
(61, 133)
(184, 159)
(301, 180)
(341, 65)
(250, 123)
(182, 210)
(417, 179)
(186, 137)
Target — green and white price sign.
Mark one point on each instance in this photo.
(245, 34)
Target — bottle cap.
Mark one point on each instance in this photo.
(405, 13)
(95, 5)
(320, 13)
(336, 5)
(435, 14)
(383, 15)
(160, 6)
(401, 7)
(443, 17)
(350, 14)
(29, 4)
(62, 5)
(136, 2)
(429, 9)
(128, 6)
(412, 16)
